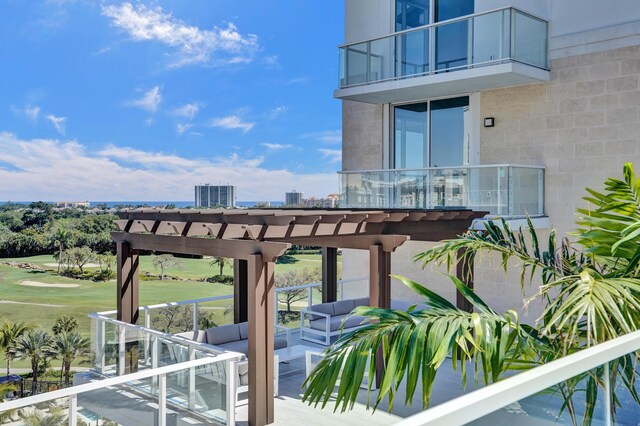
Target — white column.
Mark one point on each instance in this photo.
(192, 379)
(122, 338)
(195, 320)
(231, 392)
(73, 410)
(162, 400)
(607, 396)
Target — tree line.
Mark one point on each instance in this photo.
(39, 228)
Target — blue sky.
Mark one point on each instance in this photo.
(121, 100)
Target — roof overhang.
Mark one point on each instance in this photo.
(445, 83)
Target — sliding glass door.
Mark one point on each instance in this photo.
(431, 133)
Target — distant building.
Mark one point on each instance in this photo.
(330, 202)
(293, 198)
(71, 204)
(208, 195)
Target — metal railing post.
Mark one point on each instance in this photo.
(192, 380)
(73, 410)
(195, 319)
(155, 354)
(147, 324)
(162, 400)
(608, 421)
(231, 392)
(122, 350)
(100, 344)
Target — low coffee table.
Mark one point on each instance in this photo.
(295, 352)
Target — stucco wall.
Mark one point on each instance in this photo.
(582, 126)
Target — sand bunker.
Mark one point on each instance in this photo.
(39, 284)
(86, 265)
(32, 304)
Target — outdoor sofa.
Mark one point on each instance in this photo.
(234, 338)
(319, 323)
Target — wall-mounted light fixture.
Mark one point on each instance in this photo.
(489, 122)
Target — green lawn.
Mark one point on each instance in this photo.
(90, 297)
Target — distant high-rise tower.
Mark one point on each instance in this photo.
(208, 195)
(293, 198)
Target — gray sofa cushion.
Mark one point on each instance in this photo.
(241, 346)
(279, 342)
(200, 336)
(362, 301)
(223, 334)
(244, 330)
(343, 307)
(325, 308)
(336, 322)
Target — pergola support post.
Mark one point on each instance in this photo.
(240, 291)
(329, 274)
(261, 322)
(127, 297)
(464, 272)
(379, 291)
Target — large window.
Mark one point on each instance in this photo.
(432, 133)
(450, 41)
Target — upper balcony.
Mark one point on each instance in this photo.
(488, 50)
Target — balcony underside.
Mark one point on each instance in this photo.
(445, 84)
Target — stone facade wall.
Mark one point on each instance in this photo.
(582, 126)
(361, 136)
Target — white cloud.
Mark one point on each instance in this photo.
(275, 146)
(297, 80)
(149, 101)
(187, 110)
(274, 113)
(181, 128)
(333, 155)
(58, 122)
(326, 136)
(218, 46)
(47, 169)
(30, 112)
(232, 122)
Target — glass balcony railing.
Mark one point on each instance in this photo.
(505, 190)
(488, 38)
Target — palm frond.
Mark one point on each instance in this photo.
(412, 345)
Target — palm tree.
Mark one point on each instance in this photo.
(221, 262)
(591, 292)
(64, 324)
(34, 345)
(9, 333)
(61, 238)
(67, 347)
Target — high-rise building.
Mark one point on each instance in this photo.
(293, 198)
(207, 195)
(478, 104)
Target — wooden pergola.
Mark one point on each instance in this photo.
(255, 239)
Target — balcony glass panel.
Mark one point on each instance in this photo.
(413, 53)
(490, 41)
(501, 190)
(452, 45)
(460, 43)
(357, 58)
(530, 39)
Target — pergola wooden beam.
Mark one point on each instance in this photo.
(235, 249)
